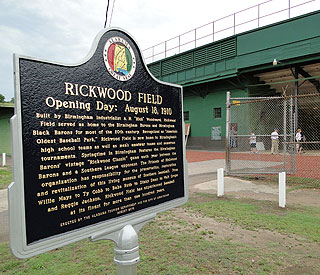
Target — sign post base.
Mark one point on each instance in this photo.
(126, 251)
(126, 244)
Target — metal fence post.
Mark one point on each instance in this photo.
(213, 31)
(292, 136)
(165, 49)
(289, 9)
(228, 161)
(296, 92)
(258, 15)
(285, 133)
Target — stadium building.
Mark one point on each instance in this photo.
(273, 60)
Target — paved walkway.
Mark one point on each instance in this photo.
(4, 229)
(3, 200)
(231, 184)
(236, 185)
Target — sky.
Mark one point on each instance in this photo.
(63, 30)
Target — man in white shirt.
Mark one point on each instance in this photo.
(298, 140)
(275, 142)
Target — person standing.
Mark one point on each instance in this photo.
(253, 143)
(233, 138)
(275, 142)
(298, 140)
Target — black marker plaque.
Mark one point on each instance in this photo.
(100, 140)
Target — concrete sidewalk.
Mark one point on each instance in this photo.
(230, 184)
(3, 200)
(236, 185)
(4, 227)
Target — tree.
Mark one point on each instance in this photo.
(2, 98)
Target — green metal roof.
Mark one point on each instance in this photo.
(290, 41)
(6, 105)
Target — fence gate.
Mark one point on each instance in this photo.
(250, 122)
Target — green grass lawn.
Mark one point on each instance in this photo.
(172, 245)
(161, 252)
(251, 214)
(5, 177)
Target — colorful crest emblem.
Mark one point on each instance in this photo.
(119, 58)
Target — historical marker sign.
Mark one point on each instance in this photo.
(94, 144)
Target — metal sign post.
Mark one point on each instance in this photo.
(228, 160)
(126, 245)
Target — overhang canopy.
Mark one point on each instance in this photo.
(307, 77)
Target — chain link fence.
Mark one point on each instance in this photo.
(262, 135)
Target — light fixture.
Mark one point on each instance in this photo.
(275, 62)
